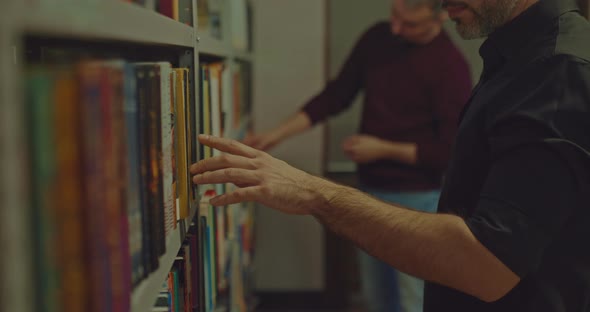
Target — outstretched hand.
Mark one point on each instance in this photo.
(260, 177)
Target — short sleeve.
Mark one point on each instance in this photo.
(528, 196)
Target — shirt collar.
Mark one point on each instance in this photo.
(519, 35)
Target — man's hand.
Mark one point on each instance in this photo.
(263, 141)
(261, 178)
(364, 148)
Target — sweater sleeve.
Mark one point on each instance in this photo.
(340, 92)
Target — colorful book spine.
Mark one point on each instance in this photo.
(74, 295)
(182, 149)
(39, 86)
(134, 211)
(93, 81)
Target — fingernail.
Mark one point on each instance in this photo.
(204, 136)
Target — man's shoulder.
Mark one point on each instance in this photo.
(381, 28)
(573, 40)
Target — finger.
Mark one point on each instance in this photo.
(247, 194)
(228, 146)
(228, 175)
(221, 162)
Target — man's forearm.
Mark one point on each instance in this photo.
(434, 247)
(296, 124)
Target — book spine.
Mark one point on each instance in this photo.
(142, 102)
(40, 90)
(133, 173)
(74, 295)
(96, 251)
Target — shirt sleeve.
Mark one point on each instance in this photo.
(339, 93)
(450, 93)
(536, 183)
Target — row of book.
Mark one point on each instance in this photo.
(219, 256)
(178, 10)
(213, 267)
(226, 231)
(225, 103)
(109, 144)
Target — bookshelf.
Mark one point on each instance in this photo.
(127, 22)
(105, 29)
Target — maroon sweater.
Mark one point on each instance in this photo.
(413, 93)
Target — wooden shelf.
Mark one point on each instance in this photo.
(108, 20)
(145, 294)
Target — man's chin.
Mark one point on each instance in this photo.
(468, 32)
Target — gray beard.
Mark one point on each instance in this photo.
(487, 19)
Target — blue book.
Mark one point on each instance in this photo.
(133, 173)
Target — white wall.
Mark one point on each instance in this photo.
(289, 43)
(348, 21)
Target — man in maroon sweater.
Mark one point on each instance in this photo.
(415, 82)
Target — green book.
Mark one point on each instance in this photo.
(41, 141)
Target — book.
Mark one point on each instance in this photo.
(203, 15)
(94, 84)
(185, 12)
(133, 202)
(73, 267)
(182, 147)
(115, 183)
(167, 116)
(205, 106)
(149, 252)
(215, 83)
(40, 92)
(166, 8)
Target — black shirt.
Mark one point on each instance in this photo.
(520, 170)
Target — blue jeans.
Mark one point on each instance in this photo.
(385, 289)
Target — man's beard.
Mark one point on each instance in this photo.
(486, 19)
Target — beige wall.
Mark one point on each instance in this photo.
(348, 20)
(289, 68)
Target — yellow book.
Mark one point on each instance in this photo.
(206, 118)
(182, 143)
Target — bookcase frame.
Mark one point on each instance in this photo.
(107, 24)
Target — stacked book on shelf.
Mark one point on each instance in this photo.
(217, 258)
(212, 269)
(225, 101)
(109, 149)
(179, 10)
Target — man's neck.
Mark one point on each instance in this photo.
(521, 7)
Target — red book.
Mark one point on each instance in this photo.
(166, 8)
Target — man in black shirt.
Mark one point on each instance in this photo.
(513, 228)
